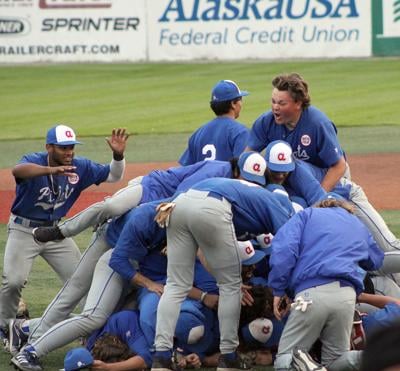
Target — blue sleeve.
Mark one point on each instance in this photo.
(284, 254)
(130, 245)
(330, 151)
(305, 185)
(258, 137)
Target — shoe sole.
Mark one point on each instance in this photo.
(233, 369)
(306, 364)
(17, 366)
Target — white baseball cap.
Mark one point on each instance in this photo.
(265, 240)
(259, 330)
(252, 167)
(248, 254)
(279, 156)
(61, 135)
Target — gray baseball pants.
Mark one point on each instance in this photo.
(329, 318)
(75, 289)
(102, 298)
(386, 240)
(20, 252)
(96, 214)
(199, 220)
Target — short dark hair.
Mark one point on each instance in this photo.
(262, 306)
(295, 85)
(221, 108)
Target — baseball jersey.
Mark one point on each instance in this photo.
(125, 325)
(164, 183)
(321, 245)
(49, 197)
(140, 235)
(384, 317)
(313, 140)
(255, 210)
(220, 139)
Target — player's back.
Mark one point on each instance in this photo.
(220, 139)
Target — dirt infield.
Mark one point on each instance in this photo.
(379, 176)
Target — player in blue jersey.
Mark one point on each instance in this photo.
(47, 185)
(313, 138)
(316, 259)
(156, 185)
(223, 137)
(211, 215)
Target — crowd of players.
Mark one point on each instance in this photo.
(232, 260)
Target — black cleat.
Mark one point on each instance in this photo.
(46, 234)
(237, 364)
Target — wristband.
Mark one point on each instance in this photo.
(203, 296)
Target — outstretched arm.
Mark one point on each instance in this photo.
(117, 143)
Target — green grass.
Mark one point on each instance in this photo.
(173, 98)
(168, 147)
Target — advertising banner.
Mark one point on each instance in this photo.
(386, 27)
(265, 29)
(72, 31)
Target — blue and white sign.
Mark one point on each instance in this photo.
(265, 29)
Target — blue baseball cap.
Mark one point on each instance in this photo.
(77, 359)
(252, 167)
(226, 90)
(61, 135)
(194, 331)
(279, 157)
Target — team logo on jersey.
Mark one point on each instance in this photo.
(73, 179)
(305, 140)
(301, 154)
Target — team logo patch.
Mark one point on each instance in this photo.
(73, 179)
(305, 140)
(257, 167)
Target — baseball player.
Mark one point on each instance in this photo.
(303, 179)
(47, 185)
(211, 214)
(106, 287)
(317, 256)
(313, 139)
(156, 185)
(223, 137)
(81, 281)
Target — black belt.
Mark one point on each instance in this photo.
(28, 223)
(215, 195)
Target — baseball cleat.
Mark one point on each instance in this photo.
(236, 364)
(17, 337)
(165, 364)
(26, 361)
(302, 361)
(46, 234)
